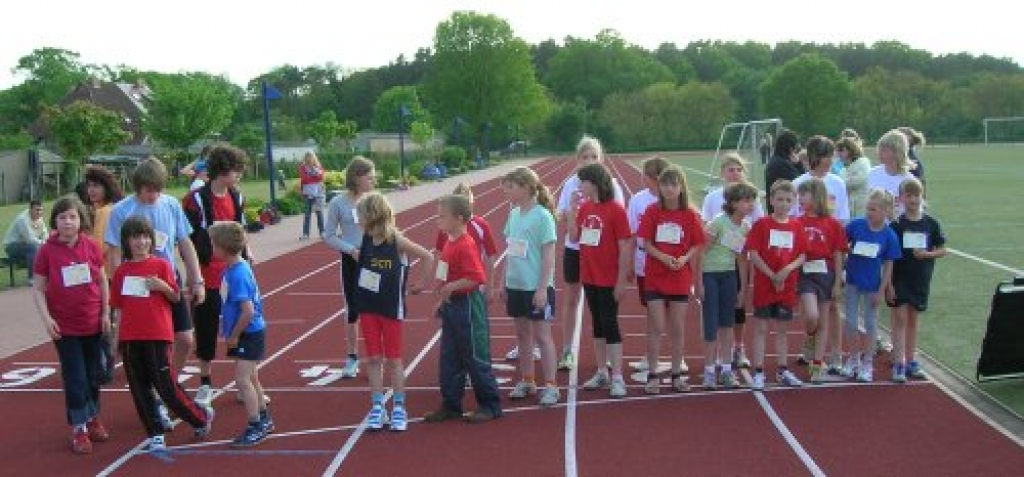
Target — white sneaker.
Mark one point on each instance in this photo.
(787, 378)
(522, 390)
(204, 395)
(351, 368)
(377, 418)
(513, 354)
(851, 367)
(757, 384)
(549, 396)
(739, 358)
(599, 380)
(642, 365)
(536, 354)
(683, 368)
(618, 388)
(156, 444)
(866, 374)
(709, 379)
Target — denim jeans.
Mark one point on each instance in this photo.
(80, 369)
(20, 252)
(310, 203)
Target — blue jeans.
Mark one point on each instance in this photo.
(80, 369)
(22, 252)
(720, 295)
(310, 202)
(858, 303)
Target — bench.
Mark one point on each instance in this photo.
(11, 265)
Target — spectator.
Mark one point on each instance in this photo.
(25, 235)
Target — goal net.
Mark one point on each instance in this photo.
(1008, 131)
(753, 140)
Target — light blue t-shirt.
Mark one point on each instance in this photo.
(165, 215)
(862, 270)
(239, 286)
(525, 234)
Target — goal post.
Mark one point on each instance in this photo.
(1004, 130)
(753, 140)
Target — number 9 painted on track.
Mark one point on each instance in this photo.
(24, 376)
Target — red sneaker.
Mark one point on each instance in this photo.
(97, 431)
(80, 442)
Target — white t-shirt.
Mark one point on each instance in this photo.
(878, 178)
(637, 205)
(714, 201)
(197, 183)
(837, 198)
(571, 187)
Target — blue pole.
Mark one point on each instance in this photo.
(401, 145)
(271, 173)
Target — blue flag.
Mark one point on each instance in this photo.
(269, 92)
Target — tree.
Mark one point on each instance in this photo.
(421, 133)
(50, 73)
(705, 108)
(666, 115)
(188, 107)
(675, 59)
(324, 129)
(566, 124)
(483, 73)
(809, 93)
(82, 129)
(385, 110)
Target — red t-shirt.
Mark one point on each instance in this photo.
(462, 259)
(599, 264)
(480, 230)
(825, 236)
(223, 209)
(681, 230)
(143, 318)
(790, 243)
(75, 307)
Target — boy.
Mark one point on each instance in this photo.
(922, 241)
(243, 328)
(776, 244)
(465, 339)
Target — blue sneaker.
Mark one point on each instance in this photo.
(377, 417)
(914, 370)
(399, 419)
(252, 435)
(266, 421)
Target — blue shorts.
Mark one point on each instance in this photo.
(251, 346)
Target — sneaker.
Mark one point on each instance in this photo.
(377, 417)
(851, 368)
(653, 385)
(513, 354)
(80, 443)
(835, 367)
(787, 378)
(97, 432)
(679, 383)
(757, 383)
(728, 380)
(618, 388)
(817, 373)
(739, 358)
(914, 370)
(882, 346)
(266, 421)
(204, 431)
(899, 373)
(156, 444)
(709, 379)
(351, 368)
(599, 380)
(522, 390)
(399, 419)
(204, 395)
(164, 417)
(567, 362)
(641, 365)
(683, 368)
(549, 396)
(252, 435)
(480, 416)
(865, 375)
(807, 351)
(441, 415)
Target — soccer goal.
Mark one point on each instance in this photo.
(1008, 130)
(753, 140)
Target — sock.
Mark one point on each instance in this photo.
(205, 381)
(399, 399)
(377, 398)
(726, 368)
(709, 369)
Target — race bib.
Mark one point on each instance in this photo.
(866, 249)
(442, 271)
(370, 280)
(780, 239)
(669, 233)
(161, 241)
(135, 286)
(590, 237)
(355, 217)
(815, 266)
(915, 240)
(732, 241)
(517, 248)
(77, 274)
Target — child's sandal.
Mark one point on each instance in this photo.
(679, 383)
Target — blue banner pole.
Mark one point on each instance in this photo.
(271, 173)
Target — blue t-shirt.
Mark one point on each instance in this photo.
(525, 235)
(239, 286)
(165, 215)
(863, 270)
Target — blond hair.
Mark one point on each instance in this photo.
(457, 205)
(528, 179)
(911, 186)
(358, 167)
(592, 143)
(897, 142)
(819, 195)
(733, 159)
(671, 176)
(883, 198)
(377, 216)
(914, 137)
(464, 190)
(654, 166)
(229, 236)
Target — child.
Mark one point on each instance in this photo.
(819, 286)
(733, 170)
(383, 269)
(873, 247)
(672, 234)
(465, 338)
(724, 266)
(922, 241)
(601, 228)
(243, 328)
(638, 204)
(480, 231)
(72, 300)
(777, 246)
(588, 151)
(143, 289)
(530, 233)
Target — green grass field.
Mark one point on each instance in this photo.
(970, 193)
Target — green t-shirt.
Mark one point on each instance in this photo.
(726, 241)
(525, 234)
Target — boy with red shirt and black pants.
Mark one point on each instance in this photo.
(465, 338)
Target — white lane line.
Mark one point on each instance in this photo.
(786, 434)
(571, 469)
(990, 263)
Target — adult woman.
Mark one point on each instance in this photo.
(854, 174)
(916, 141)
(785, 163)
(103, 191)
(311, 178)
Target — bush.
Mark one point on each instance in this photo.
(387, 167)
(454, 157)
(334, 180)
(252, 214)
(415, 168)
(335, 160)
(291, 204)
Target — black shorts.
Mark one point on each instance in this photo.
(774, 311)
(741, 315)
(251, 346)
(571, 265)
(180, 316)
(206, 318)
(910, 294)
(652, 295)
(519, 304)
(349, 280)
(817, 284)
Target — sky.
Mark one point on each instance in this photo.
(242, 39)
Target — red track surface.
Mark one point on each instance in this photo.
(836, 429)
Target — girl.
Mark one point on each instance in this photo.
(103, 191)
(341, 213)
(72, 300)
(143, 289)
(383, 268)
(818, 285)
(672, 235)
(600, 226)
(873, 247)
(724, 266)
(855, 174)
(638, 204)
(893, 148)
(529, 291)
(589, 151)
(915, 141)
(311, 178)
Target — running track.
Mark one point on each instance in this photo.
(835, 429)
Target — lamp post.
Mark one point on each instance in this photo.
(482, 158)
(403, 112)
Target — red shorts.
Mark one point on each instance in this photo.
(382, 336)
